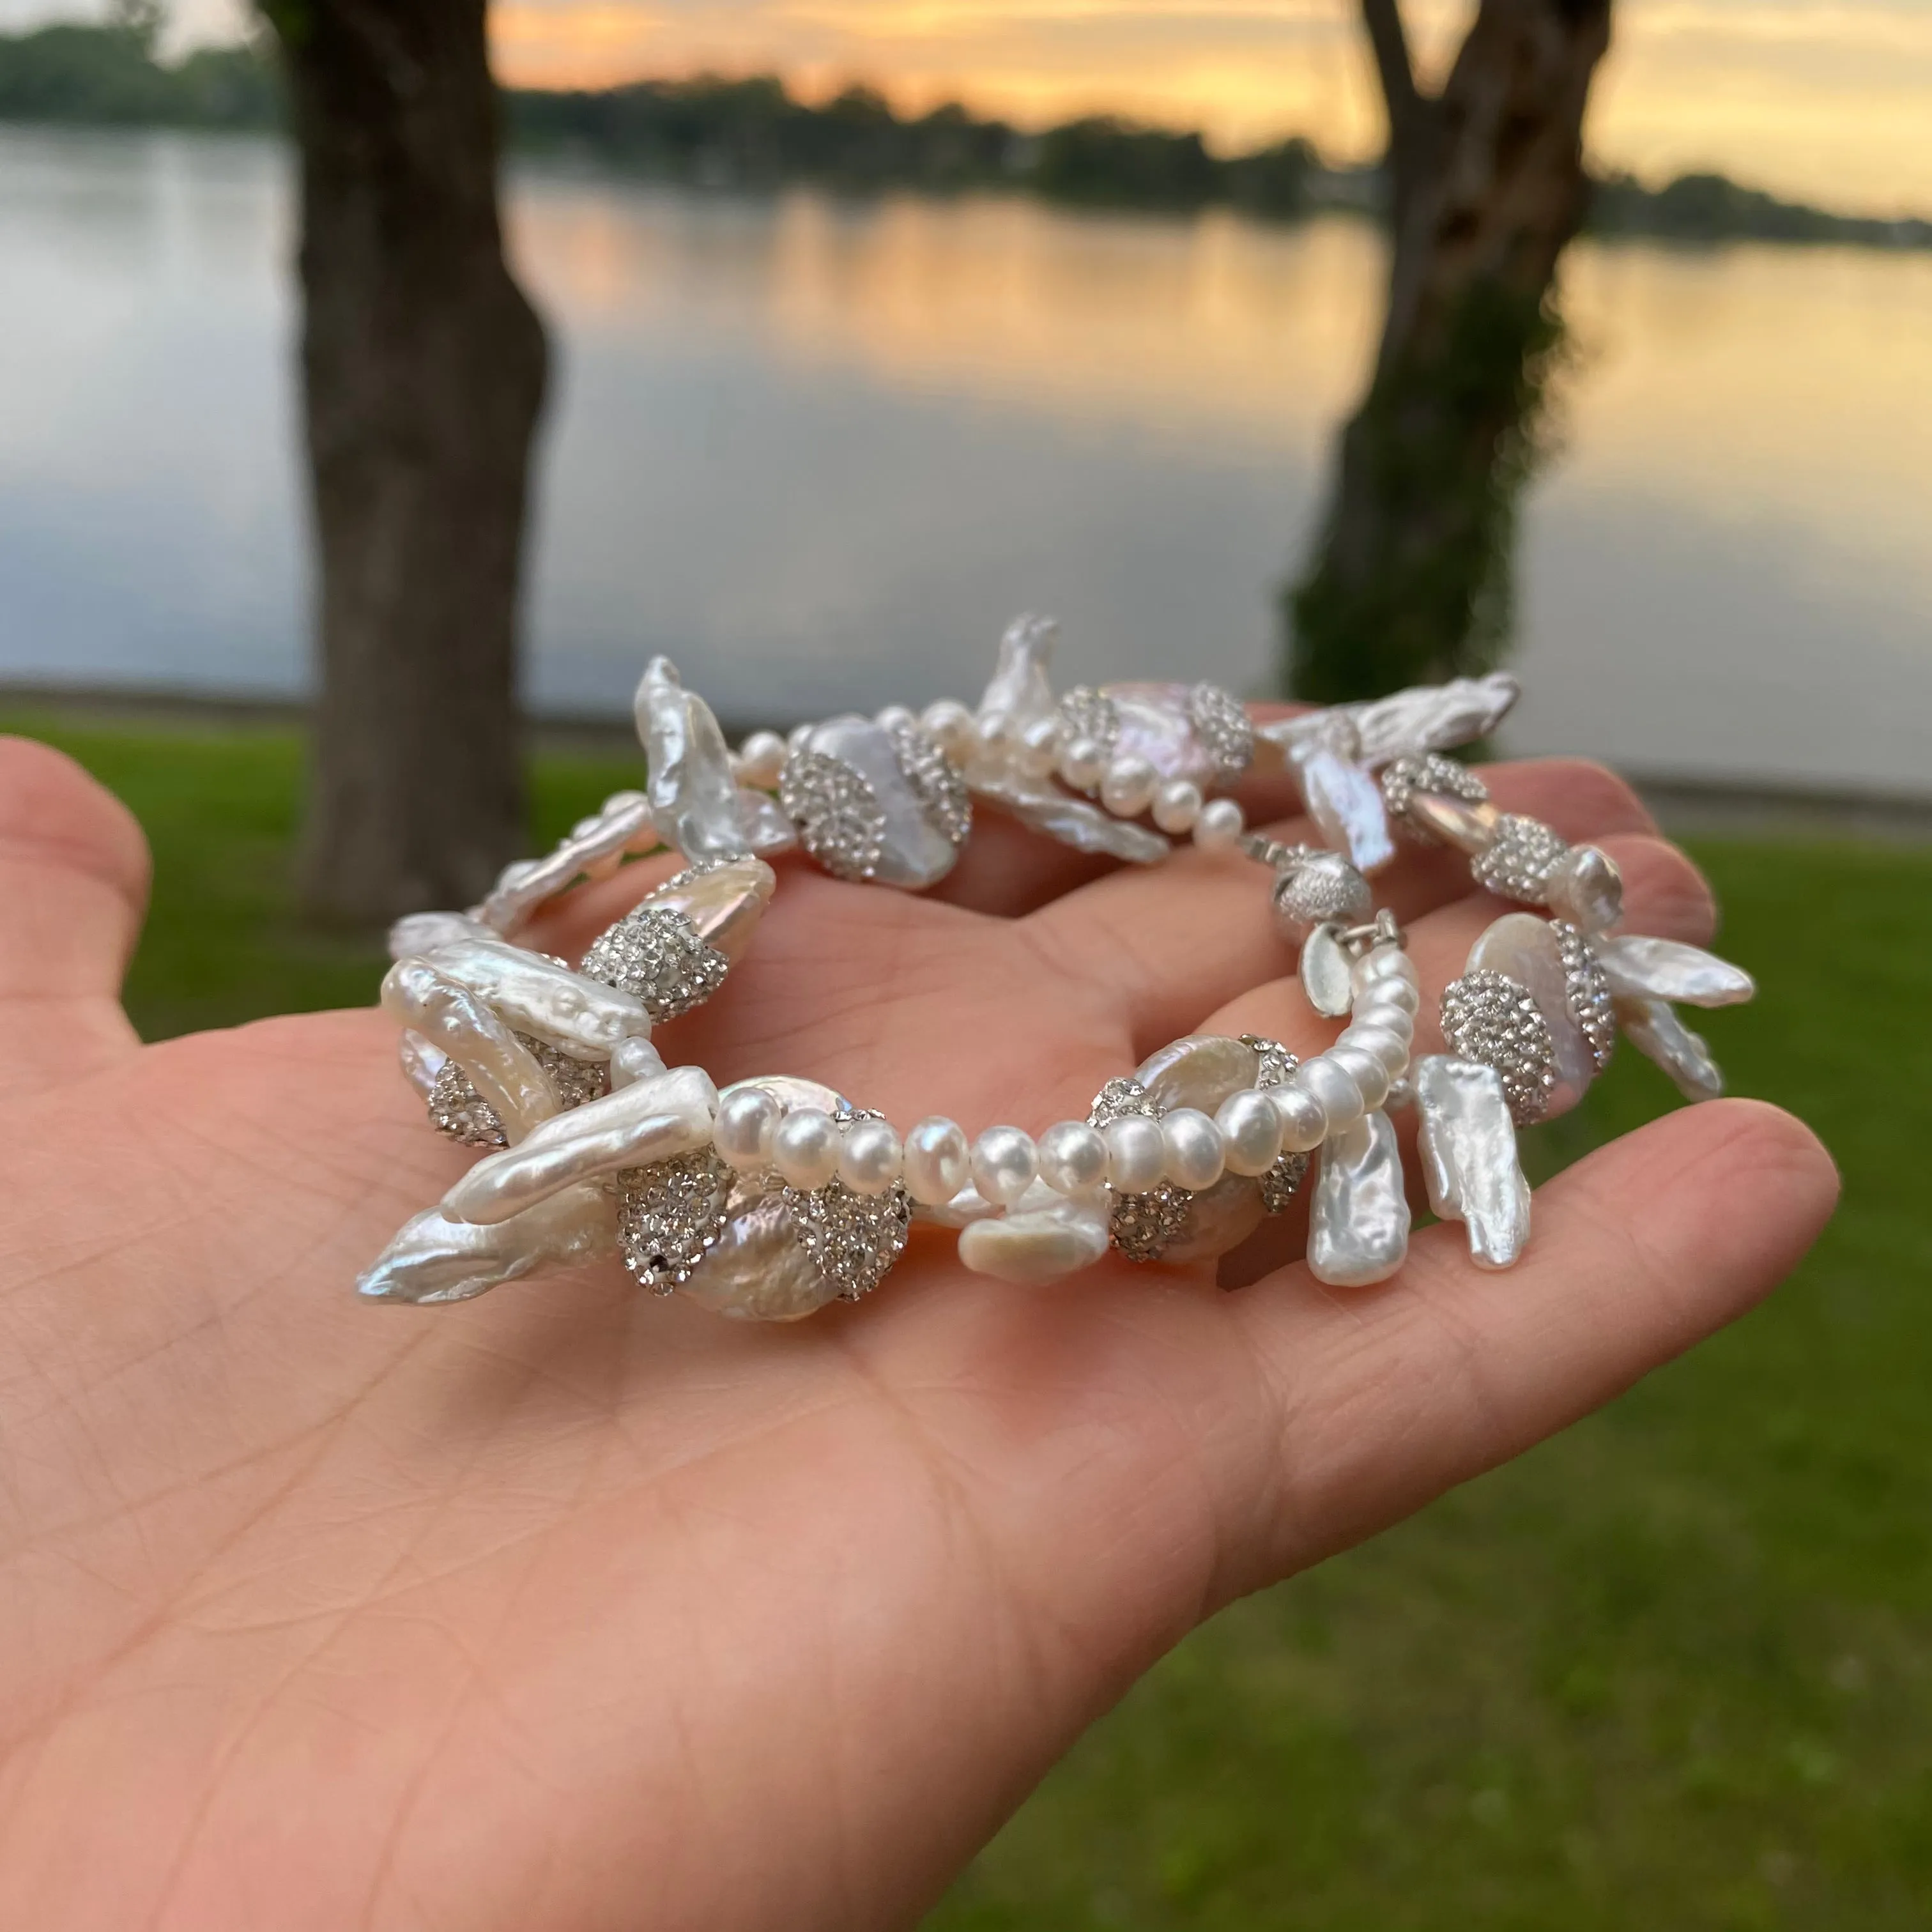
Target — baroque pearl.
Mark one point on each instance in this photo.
(1358, 1226)
(1250, 1130)
(1177, 805)
(805, 1148)
(1127, 786)
(1587, 889)
(1467, 1143)
(1072, 1158)
(748, 1119)
(1004, 1164)
(938, 1160)
(1194, 1157)
(1219, 826)
(1039, 1245)
(1525, 948)
(633, 1060)
(1136, 1153)
(869, 1161)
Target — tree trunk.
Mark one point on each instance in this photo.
(1410, 582)
(423, 367)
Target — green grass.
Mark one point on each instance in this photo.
(1672, 1670)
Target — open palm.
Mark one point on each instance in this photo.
(575, 1609)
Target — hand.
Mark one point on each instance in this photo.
(574, 1608)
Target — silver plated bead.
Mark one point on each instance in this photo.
(1318, 889)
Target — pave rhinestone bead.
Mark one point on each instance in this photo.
(1144, 1224)
(458, 1110)
(1220, 721)
(1519, 859)
(853, 1239)
(1589, 991)
(840, 819)
(1489, 1019)
(1430, 772)
(655, 953)
(670, 1216)
(1280, 1183)
(1088, 712)
(935, 780)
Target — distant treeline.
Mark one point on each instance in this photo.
(755, 134)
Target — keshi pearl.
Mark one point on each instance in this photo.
(760, 759)
(1304, 1120)
(1391, 1048)
(1195, 1157)
(1004, 1163)
(951, 726)
(1083, 763)
(938, 1160)
(1341, 1098)
(1127, 786)
(1220, 823)
(743, 1131)
(1177, 805)
(1136, 1153)
(1072, 1158)
(1365, 1069)
(805, 1148)
(1250, 1132)
(869, 1163)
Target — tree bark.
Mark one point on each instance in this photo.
(423, 367)
(1409, 581)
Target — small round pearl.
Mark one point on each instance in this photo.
(1219, 825)
(1136, 1153)
(869, 1163)
(1304, 1120)
(1391, 1048)
(1039, 748)
(1195, 1157)
(1072, 1158)
(1004, 1163)
(1083, 763)
(952, 727)
(634, 1059)
(1341, 1098)
(896, 717)
(804, 1149)
(999, 736)
(1177, 805)
(1250, 1132)
(743, 1131)
(1127, 788)
(761, 758)
(1393, 995)
(1365, 1069)
(938, 1160)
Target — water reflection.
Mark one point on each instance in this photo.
(819, 451)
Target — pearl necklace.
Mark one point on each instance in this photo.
(778, 1195)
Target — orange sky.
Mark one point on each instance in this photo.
(1830, 100)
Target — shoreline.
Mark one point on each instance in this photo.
(1683, 803)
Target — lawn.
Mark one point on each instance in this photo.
(1672, 1670)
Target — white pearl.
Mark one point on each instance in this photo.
(1391, 1048)
(1341, 1098)
(1039, 748)
(1136, 1153)
(747, 1124)
(1083, 763)
(1365, 1069)
(869, 1163)
(796, 737)
(1127, 788)
(805, 1150)
(1195, 1157)
(1072, 1158)
(938, 1160)
(1177, 805)
(1384, 994)
(1219, 826)
(1386, 962)
(1004, 1163)
(1250, 1132)
(952, 727)
(633, 1060)
(894, 717)
(761, 758)
(1304, 1120)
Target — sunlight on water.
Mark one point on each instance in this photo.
(819, 451)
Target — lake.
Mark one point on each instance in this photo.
(819, 451)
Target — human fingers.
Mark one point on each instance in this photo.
(73, 877)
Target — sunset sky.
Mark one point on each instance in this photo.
(1828, 99)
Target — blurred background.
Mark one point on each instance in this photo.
(381, 384)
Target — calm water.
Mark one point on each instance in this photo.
(820, 453)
